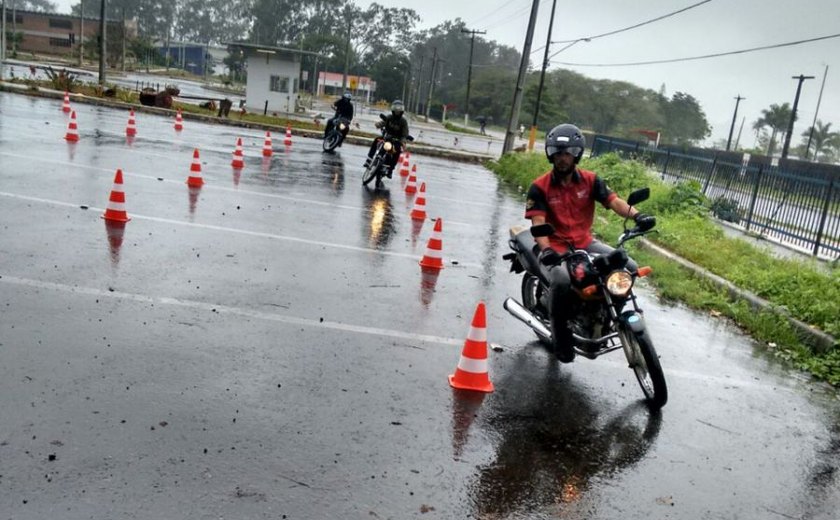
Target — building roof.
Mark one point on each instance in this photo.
(270, 49)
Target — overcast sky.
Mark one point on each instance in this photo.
(719, 26)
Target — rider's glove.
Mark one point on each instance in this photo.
(549, 257)
(644, 221)
(378, 124)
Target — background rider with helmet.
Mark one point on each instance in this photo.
(565, 197)
(343, 109)
(396, 126)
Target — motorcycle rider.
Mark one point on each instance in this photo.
(396, 126)
(343, 107)
(565, 197)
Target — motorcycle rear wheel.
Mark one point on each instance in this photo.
(645, 364)
(370, 172)
(331, 141)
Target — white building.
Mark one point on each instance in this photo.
(273, 77)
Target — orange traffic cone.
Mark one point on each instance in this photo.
(72, 134)
(238, 159)
(195, 180)
(179, 121)
(116, 202)
(288, 140)
(65, 107)
(267, 146)
(131, 129)
(432, 259)
(411, 187)
(471, 373)
(404, 167)
(419, 211)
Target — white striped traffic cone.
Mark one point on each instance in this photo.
(288, 140)
(131, 128)
(267, 146)
(179, 121)
(472, 370)
(116, 202)
(238, 161)
(433, 258)
(411, 186)
(419, 210)
(65, 107)
(72, 134)
(404, 167)
(195, 180)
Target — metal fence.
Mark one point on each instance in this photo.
(794, 202)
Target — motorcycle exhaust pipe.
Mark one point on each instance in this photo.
(525, 316)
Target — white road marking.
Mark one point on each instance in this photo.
(235, 230)
(224, 309)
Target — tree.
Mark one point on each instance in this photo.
(685, 121)
(33, 5)
(822, 139)
(777, 118)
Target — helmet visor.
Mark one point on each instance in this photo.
(574, 151)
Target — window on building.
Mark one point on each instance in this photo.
(17, 18)
(295, 86)
(279, 84)
(59, 23)
(59, 42)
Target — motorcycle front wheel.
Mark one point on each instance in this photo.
(370, 172)
(531, 301)
(331, 141)
(645, 364)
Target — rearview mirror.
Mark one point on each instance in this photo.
(382, 117)
(542, 230)
(410, 138)
(638, 196)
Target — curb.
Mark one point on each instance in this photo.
(819, 341)
(303, 132)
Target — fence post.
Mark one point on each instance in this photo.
(711, 174)
(823, 217)
(667, 160)
(754, 195)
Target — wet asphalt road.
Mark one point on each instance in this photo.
(267, 347)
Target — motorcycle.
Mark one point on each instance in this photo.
(335, 136)
(386, 147)
(601, 288)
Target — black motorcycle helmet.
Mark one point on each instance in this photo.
(397, 108)
(563, 137)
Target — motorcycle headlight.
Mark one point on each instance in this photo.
(341, 126)
(388, 146)
(619, 283)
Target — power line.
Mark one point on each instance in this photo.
(513, 16)
(705, 56)
(505, 3)
(698, 4)
(610, 33)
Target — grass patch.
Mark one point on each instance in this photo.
(460, 129)
(807, 292)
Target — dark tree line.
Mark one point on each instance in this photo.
(386, 45)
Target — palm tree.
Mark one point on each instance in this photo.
(821, 138)
(777, 118)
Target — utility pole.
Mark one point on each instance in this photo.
(431, 83)
(738, 139)
(469, 74)
(3, 41)
(81, 32)
(532, 136)
(520, 80)
(14, 28)
(732, 126)
(347, 50)
(102, 43)
(801, 79)
(419, 88)
(122, 60)
(817, 111)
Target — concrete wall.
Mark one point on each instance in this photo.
(49, 33)
(262, 68)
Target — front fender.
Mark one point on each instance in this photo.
(632, 320)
